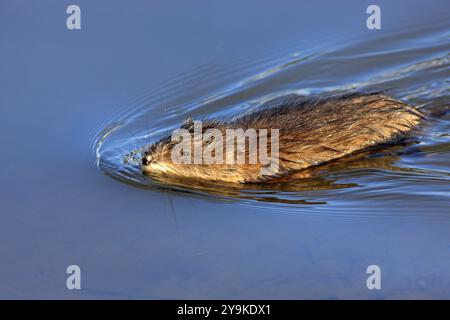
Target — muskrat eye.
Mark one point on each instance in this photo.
(146, 160)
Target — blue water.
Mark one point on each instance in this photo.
(76, 103)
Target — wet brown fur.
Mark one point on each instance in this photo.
(312, 132)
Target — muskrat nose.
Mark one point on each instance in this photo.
(145, 161)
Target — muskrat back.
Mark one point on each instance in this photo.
(310, 132)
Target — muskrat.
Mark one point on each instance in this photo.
(311, 132)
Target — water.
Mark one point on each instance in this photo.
(69, 120)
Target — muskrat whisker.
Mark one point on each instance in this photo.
(142, 143)
(174, 215)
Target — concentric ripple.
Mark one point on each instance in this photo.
(416, 72)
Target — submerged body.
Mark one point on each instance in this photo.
(311, 132)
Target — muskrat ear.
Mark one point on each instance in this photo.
(188, 122)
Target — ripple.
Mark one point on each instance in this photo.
(411, 65)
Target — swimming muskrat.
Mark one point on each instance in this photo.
(311, 132)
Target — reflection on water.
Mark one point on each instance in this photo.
(410, 65)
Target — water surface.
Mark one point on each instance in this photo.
(76, 103)
(413, 70)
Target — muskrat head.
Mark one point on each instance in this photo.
(165, 158)
(157, 159)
